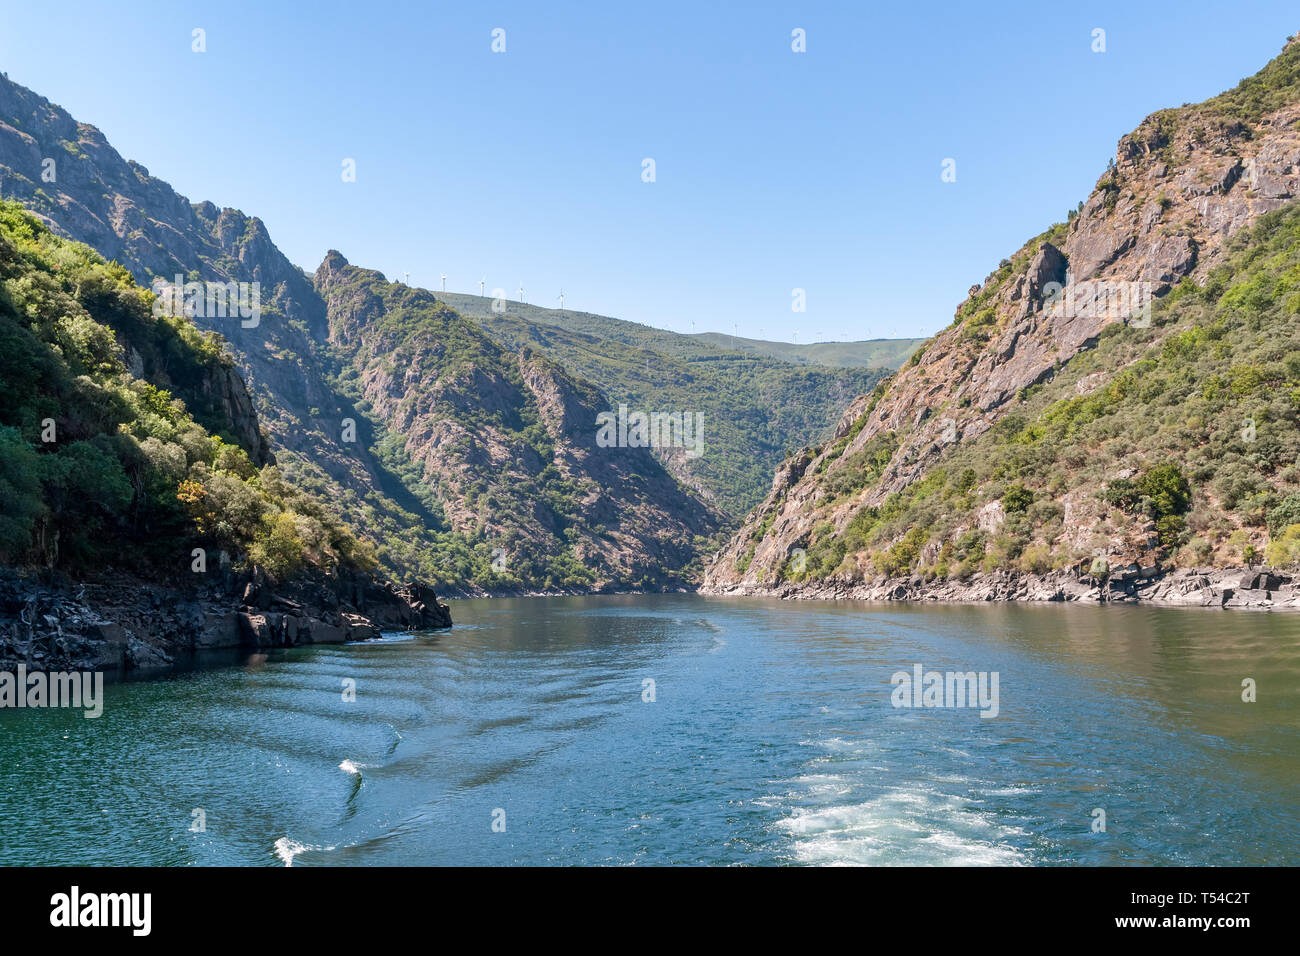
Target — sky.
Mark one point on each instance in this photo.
(774, 170)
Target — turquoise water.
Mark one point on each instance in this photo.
(771, 739)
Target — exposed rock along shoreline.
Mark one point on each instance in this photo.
(1245, 588)
(120, 623)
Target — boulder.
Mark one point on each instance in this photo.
(142, 655)
(254, 630)
(218, 630)
(322, 633)
(1260, 581)
(1247, 597)
(109, 642)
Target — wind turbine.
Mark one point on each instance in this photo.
(407, 280)
(521, 292)
(561, 298)
(444, 282)
(481, 283)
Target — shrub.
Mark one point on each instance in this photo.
(1284, 550)
(1287, 513)
(280, 548)
(1017, 499)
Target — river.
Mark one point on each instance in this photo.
(680, 729)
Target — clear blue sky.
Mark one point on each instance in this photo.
(775, 170)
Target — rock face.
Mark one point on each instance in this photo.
(514, 431)
(1188, 587)
(639, 531)
(757, 404)
(1179, 187)
(118, 623)
(127, 215)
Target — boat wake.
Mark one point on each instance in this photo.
(287, 849)
(843, 812)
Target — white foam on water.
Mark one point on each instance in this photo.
(824, 786)
(349, 766)
(287, 849)
(1008, 791)
(843, 812)
(915, 827)
(834, 744)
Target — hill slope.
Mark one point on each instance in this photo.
(129, 216)
(322, 433)
(887, 354)
(1054, 425)
(131, 463)
(507, 444)
(755, 408)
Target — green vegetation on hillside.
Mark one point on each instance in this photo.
(472, 393)
(99, 467)
(1275, 86)
(884, 354)
(1192, 430)
(756, 408)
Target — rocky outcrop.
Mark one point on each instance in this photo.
(225, 388)
(119, 623)
(508, 443)
(634, 525)
(282, 384)
(1177, 190)
(1230, 588)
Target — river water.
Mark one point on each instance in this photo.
(679, 729)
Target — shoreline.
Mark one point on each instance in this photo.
(125, 624)
(1234, 588)
(130, 627)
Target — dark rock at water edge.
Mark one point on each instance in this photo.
(119, 622)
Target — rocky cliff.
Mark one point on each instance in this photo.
(119, 478)
(343, 437)
(68, 174)
(1013, 439)
(507, 444)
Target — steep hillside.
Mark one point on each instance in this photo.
(104, 407)
(1057, 423)
(129, 453)
(68, 174)
(887, 354)
(506, 444)
(755, 409)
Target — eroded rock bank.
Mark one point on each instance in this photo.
(120, 623)
(1250, 588)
